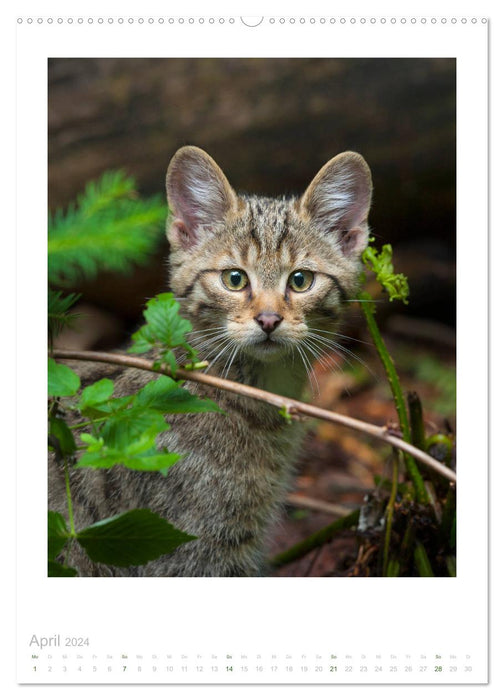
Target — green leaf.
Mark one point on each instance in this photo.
(166, 395)
(395, 284)
(284, 412)
(147, 461)
(143, 342)
(111, 407)
(164, 320)
(57, 534)
(62, 436)
(94, 443)
(128, 426)
(153, 394)
(55, 569)
(168, 358)
(159, 461)
(131, 539)
(139, 454)
(164, 327)
(95, 395)
(62, 381)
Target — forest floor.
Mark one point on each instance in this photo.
(339, 467)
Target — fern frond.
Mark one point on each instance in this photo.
(100, 194)
(109, 228)
(58, 317)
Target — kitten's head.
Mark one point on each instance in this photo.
(264, 276)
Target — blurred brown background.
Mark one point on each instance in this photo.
(270, 124)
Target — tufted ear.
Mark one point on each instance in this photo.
(199, 195)
(338, 201)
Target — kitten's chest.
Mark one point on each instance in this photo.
(285, 378)
(249, 432)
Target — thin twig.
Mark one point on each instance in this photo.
(294, 499)
(290, 406)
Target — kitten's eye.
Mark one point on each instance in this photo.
(235, 280)
(301, 280)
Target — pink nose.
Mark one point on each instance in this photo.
(268, 320)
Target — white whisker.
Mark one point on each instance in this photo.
(322, 356)
(340, 335)
(211, 346)
(224, 349)
(366, 301)
(340, 350)
(309, 371)
(207, 340)
(207, 330)
(230, 361)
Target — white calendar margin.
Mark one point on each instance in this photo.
(272, 615)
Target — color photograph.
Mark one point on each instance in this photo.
(252, 306)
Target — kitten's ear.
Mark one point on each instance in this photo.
(199, 195)
(338, 201)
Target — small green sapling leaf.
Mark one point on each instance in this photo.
(54, 569)
(96, 394)
(164, 329)
(62, 381)
(131, 539)
(139, 454)
(285, 413)
(395, 284)
(166, 395)
(57, 534)
(61, 437)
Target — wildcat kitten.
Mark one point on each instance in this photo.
(263, 281)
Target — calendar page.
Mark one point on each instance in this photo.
(266, 260)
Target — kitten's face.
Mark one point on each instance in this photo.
(264, 278)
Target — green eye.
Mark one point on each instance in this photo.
(235, 280)
(301, 280)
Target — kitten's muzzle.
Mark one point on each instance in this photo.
(268, 320)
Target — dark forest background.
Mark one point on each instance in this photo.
(270, 124)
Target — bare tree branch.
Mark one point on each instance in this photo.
(294, 499)
(293, 407)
